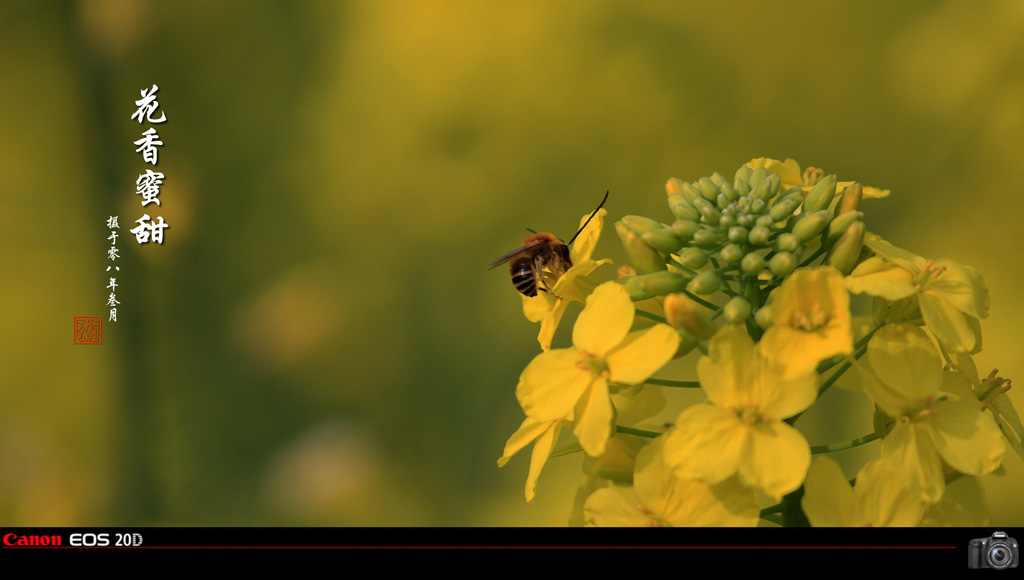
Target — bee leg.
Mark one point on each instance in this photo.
(546, 288)
(538, 265)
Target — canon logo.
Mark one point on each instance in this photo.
(16, 540)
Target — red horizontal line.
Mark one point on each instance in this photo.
(499, 547)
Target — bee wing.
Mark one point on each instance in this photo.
(514, 253)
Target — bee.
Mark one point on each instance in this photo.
(539, 251)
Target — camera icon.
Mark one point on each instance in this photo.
(998, 552)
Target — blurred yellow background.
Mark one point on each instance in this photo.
(318, 341)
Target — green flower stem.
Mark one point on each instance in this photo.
(817, 254)
(845, 445)
(676, 264)
(773, 509)
(678, 384)
(775, 519)
(637, 432)
(709, 305)
(569, 450)
(703, 348)
(654, 317)
(718, 312)
(825, 366)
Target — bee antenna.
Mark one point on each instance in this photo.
(531, 230)
(590, 218)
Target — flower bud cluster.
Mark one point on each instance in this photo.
(753, 230)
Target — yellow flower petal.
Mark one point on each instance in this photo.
(904, 359)
(811, 321)
(877, 277)
(775, 459)
(594, 418)
(541, 451)
(615, 506)
(641, 354)
(911, 456)
(954, 329)
(586, 241)
(883, 501)
(963, 287)
(530, 430)
(720, 372)
(968, 439)
(545, 433)
(706, 443)
(552, 383)
(828, 500)
(605, 320)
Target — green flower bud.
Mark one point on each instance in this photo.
(708, 189)
(662, 283)
(794, 191)
(756, 177)
(674, 186)
(810, 225)
(783, 209)
(752, 264)
(763, 191)
(705, 283)
(682, 209)
(684, 313)
(737, 310)
(717, 179)
(723, 201)
(746, 220)
(759, 235)
(787, 242)
(838, 226)
(726, 222)
(846, 252)
(765, 220)
(688, 191)
(763, 317)
(686, 344)
(731, 253)
(707, 238)
(742, 174)
(708, 212)
(644, 258)
(632, 286)
(729, 193)
(640, 224)
(738, 234)
(758, 206)
(693, 258)
(662, 240)
(685, 229)
(821, 195)
(782, 264)
(850, 201)
(742, 188)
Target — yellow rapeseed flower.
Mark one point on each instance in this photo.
(573, 383)
(904, 377)
(951, 297)
(742, 430)
(659, 498)
(877, 499)
(811, 321)
(573, 286)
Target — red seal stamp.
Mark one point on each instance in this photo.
(88, 330)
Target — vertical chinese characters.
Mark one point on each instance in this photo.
(113, 256)
(148, 184)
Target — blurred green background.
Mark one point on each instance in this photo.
(318, 341)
